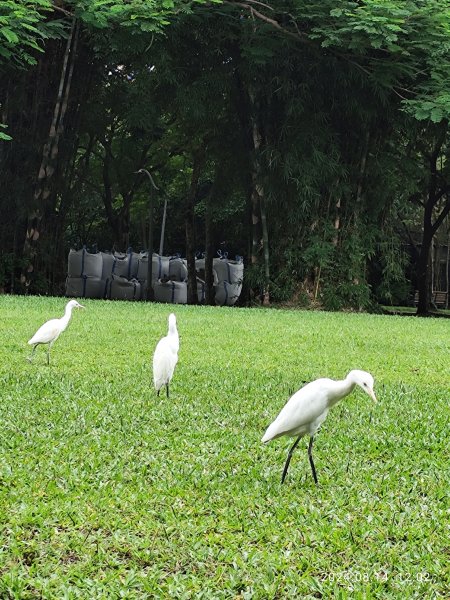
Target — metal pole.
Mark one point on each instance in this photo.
(150, 234)
(163, 227)
(149, 295)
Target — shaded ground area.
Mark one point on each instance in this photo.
(411, 311)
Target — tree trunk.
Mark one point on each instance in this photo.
(209, 277)
(337, 223)
(49, 158)
(447, 267)
(423, 271)
(118, 219)
(107, 195)
(189, 214)
(266, 292)
(429, 228)
(260, 235)
(256, 222)
(68, 193)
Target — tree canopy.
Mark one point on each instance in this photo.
(321, 127)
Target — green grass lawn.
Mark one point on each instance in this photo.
(107, 491)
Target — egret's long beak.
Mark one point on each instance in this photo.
(80, 306)
(372, 395)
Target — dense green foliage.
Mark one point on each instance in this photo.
(321, 127)
(23, 29)
(108, 491)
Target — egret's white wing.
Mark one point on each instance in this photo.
(46, 333)
(165, 359)
(301, 410)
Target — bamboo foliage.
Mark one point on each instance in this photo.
(50, 154)
(325, 124)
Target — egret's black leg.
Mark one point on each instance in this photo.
(48, 354)
(167, 389)
(157, 393)
(311, 462)
(288, 460)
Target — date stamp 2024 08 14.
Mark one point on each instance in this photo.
(352, 576)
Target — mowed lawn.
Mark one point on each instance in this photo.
(107, 491)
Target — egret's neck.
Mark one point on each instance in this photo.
(341, 389)
(66, 318)
(173, 336)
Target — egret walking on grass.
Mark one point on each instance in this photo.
(165, 357)
(307, 409)
(49, 332)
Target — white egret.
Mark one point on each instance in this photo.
(49, 332)
(165, 357)
(307, 409)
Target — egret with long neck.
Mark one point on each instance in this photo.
(307, 409)
(165, 357)
(50, 331)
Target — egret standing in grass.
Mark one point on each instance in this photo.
(165, 357)
(49, 332)
(307, 409)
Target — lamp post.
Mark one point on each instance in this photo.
(150, 234)
(163, 227)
